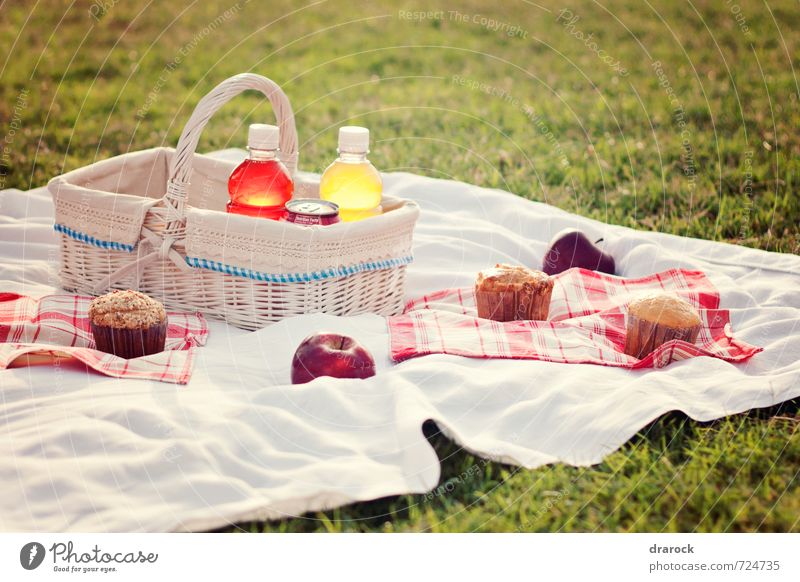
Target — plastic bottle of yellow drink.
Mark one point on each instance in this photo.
(352, 181)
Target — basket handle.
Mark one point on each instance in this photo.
(181, 166)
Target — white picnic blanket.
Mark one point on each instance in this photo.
(79, 451)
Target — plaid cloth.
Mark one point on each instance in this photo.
(586, 324)
(57, 326)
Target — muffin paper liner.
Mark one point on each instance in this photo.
(130, 343)
(527, 304)
(644, 336)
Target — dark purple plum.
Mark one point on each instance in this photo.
(571, 248)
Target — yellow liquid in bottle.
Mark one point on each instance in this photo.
(356, 187)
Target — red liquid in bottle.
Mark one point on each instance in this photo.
(260, 188)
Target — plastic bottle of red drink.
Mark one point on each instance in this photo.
(261, 185)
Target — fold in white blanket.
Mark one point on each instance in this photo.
(79, 451)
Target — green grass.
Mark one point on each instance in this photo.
(537, 113)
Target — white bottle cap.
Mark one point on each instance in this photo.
(263, 137)
(353, 139)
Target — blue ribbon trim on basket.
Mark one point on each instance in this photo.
(298, 277)
(103, 244)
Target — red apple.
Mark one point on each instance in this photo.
(331, 354)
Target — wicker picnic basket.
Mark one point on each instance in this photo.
(155, 221)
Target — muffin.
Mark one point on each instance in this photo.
(655, 319)
(509, 293)
(128, 324)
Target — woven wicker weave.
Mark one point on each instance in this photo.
(154, 221)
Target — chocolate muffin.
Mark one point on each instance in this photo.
(655, 319)
(510, 293)
(128, 324)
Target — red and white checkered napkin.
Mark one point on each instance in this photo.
(586, 324)
(58, 326)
